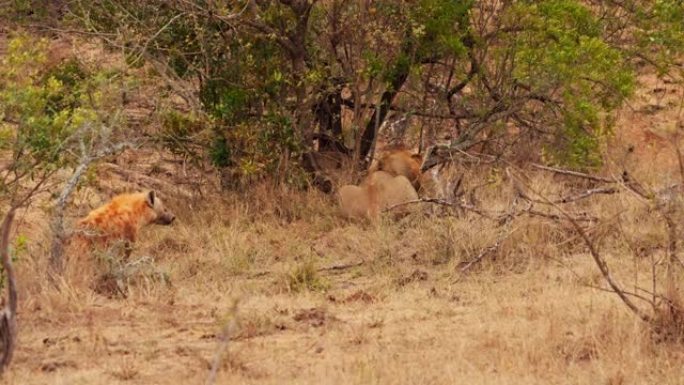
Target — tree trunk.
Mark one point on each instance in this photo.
(370, 133)
(300, 58)
(329, 114)
(399, 74)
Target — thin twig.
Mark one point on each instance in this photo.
(588, 193)
(492, 215)
(484, 252)
(556, 217)
(503, 235)
(143, 49)
(632, 294)
(444, 202)
(224, 339)
(59, 234)
(342, 267)
(235, 15)
(573, 173)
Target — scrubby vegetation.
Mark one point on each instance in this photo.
(545, 246)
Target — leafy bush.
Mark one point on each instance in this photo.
(279, 71)
(49, 109)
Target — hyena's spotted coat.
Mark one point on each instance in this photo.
(122, 218)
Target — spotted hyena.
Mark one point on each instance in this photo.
(122, 218)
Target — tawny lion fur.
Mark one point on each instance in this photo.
(402, 162)
(379, 191)
(122, 218)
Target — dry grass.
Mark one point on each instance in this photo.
(326, 300)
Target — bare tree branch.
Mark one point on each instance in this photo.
(598, 259)
(504, 233)
(586, 194)
(573, 173)
(57, 225)
(143, 49)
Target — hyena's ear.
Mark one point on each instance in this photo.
(151, 198)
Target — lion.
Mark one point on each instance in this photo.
(402, 162)
(358, 201)
(378, 192)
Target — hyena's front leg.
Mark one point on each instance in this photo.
(130, 235)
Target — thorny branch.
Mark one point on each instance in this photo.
(502, 219)
(598, 259)
(591, 286)
(660, 201)
(496, 216)
(503, 234)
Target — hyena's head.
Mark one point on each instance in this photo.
(162, 215)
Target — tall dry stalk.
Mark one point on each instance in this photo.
(8, 320)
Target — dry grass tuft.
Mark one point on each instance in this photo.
(668, 323)
(305, 277)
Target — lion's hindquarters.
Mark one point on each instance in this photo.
(378, 192)
(355, 201)
(395, 192)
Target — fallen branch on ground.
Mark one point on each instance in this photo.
(342, 267)
(588, 193)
